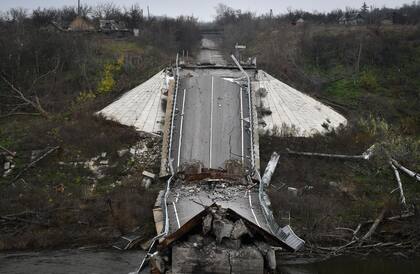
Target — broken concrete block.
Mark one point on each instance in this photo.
(239, 229)
(157, 262)
(146, 182)
(270, 257)
(222, 229)
(292, 191)
(7, 173)
(246, 260)
(232, 244)
(103, 154)
(6, 165)
(149, 175)
(207, 221)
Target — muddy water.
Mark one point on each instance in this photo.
(115, 262)
(71, 262)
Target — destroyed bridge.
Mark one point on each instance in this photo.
(215, 197)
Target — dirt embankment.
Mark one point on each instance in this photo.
(73, 198)
(333, 203)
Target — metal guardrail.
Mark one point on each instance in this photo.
(286, 233)
(173, 114)
(251, 118)
(170, 158)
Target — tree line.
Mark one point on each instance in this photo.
(406, 14)
(42, 69)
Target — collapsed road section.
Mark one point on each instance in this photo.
(214, 215)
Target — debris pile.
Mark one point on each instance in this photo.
(223, 237)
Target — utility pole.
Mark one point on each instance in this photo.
(78, 7)
(148, 13)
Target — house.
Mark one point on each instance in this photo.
(351, 19)
(300, 22)
(81, 24)
(111, 26)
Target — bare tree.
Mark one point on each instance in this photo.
(29, 97)
(106, 11)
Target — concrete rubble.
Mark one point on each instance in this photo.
(145, 153)
(223, 246)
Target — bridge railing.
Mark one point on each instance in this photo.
(170, 156)
(251, 117)
(286, 233)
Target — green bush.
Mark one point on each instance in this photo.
(368, 81)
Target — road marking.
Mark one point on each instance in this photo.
(252, 208)
(176, 215)
(180, 128)
(211, 118)
(242, 127)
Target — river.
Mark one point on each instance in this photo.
(113, 262)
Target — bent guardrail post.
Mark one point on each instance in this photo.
(286, 233)
(251, 122)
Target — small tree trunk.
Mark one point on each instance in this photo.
(397, 176)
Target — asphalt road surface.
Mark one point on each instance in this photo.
(210, 122)
(209, 53)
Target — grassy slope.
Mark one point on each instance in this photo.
(344, 193)
(62, 195)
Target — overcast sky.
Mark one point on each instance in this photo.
(204, 9)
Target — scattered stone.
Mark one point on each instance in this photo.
(103, 154)
(333, 184)
(35, 154)
(7, 165)
(239, 229)
(146, 182)
(7, 173)
(149, 175)
(307, 187)
(104, 162)
(122, 152)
